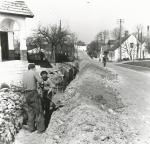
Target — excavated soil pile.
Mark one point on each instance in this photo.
(11, 118)
(89, 114)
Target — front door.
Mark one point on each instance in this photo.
(4, 45)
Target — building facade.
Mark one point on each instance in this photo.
(13, 13)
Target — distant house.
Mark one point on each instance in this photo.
(143, 53)
(81, 48)
(129, 48)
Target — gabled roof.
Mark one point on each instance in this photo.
(111, 42)
(116, 43)
(15, 8)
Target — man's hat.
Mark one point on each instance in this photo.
(43, 72)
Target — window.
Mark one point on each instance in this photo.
(131, 45)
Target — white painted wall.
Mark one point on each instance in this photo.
(144, 52)
(7, 23)
(82, 48)
(117, 55)
(126, 47)
(11, 40)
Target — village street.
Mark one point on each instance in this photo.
(134, 91)
(132, 85)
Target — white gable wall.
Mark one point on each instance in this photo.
(127, 51)
(129, 48)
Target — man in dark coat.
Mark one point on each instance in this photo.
(104, 60)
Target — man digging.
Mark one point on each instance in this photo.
(47, 88)
(33, 100)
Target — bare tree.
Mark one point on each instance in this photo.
(140, 37)
(73, 38)
(115, 33)
(93, 49)
(139, 29)
(105, 35)
(102, 36)
(128, 48)
(53, 35)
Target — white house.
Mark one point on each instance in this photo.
(143, 53)
(129, 46)
(81, 48)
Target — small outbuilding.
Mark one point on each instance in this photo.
(13, 13)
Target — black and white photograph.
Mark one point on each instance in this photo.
(74, 72)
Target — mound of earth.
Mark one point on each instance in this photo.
(89, 114)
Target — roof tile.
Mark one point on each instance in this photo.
(15, 8)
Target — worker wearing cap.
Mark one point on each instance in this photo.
(47, 92)
(35, 111)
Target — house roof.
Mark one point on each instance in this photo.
(116, 43)
(15, 8)
(111, 42)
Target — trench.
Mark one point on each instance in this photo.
(89, 114)
(12, 116)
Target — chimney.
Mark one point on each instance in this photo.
(126, 34)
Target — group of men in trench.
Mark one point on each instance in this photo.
(38, 101)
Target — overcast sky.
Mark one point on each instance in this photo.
(88, 17)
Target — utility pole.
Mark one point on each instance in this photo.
(60, 25)
(120, 21)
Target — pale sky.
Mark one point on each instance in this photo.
(88, 17)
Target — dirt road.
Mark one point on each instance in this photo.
(134, 88)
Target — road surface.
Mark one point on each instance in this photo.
(134, 89)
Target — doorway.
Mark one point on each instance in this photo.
(4, 46)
